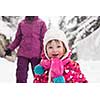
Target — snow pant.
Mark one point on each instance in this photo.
(23, 67)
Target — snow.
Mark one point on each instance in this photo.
(5, 30)
(52, 19)
(8, 71)
(88, 48)
(91, 70)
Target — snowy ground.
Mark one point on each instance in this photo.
(8, 71)
(91, 69)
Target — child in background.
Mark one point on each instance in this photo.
(56, 65)
(29, 39)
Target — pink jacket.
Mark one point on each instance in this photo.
(29, 38)
(67, 68)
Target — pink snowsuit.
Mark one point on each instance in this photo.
(67, 68)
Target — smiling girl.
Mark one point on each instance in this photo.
(56, 65)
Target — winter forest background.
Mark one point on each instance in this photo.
(82, 33)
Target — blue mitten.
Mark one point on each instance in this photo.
(59, 79)
(38, 69)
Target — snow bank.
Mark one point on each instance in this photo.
(91, 69)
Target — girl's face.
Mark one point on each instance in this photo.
(55, 49)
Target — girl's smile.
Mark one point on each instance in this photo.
(55, 49)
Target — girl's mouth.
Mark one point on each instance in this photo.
(54, 55)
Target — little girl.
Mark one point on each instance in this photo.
(56, 65)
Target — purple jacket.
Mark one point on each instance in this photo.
(29, 38)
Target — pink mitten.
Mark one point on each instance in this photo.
(45, 63)
(57, 67)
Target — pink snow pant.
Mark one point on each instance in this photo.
(23, 67)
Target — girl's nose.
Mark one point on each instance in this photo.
(54, 49)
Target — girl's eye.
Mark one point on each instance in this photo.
(50, 47)
(58, 46)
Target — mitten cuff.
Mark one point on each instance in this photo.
(59, 79)
(38, 69)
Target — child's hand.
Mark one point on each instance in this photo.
(38, 69)
(57, 67)
(45, 63)
(8, 52)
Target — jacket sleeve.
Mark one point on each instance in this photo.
(42, 33)
(78, 75)
(40, 75)
(17, 39)
(43, 29)
(41, 72)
